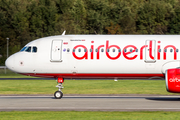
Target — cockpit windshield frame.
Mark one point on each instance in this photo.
(29, 49)
(23, 49)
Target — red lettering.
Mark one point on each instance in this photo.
(127, 53)
(158, 51)
(92, 50)
(141, 51)
(150, 50)
(85, 53)
(99, 50)
(175, 54)
(107, 53)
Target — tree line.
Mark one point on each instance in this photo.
(25, 20)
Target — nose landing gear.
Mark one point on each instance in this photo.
(59, 94)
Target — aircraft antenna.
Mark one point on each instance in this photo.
(64, 32)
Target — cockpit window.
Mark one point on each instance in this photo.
(28, 49)
(34, 49)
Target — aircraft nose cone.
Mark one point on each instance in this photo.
(10, 63)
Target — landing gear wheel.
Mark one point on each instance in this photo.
(58, 94)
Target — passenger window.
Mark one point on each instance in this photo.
(74, 50)
(125, 50)
(171, 50)
(102, 50)
(136, 50)
(68, 50)
(34, 49)
(85, 50)
(119, 50)
(79, 49)
(96, 50)
(131, 50)
(107, 50)
(165, 50)
(177, 50)
(28, 49)
(159, 50)
(90, 50)
(113, 50)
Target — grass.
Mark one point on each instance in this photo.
(79, 86)
(84, 87)
(7, 72)
(73, 115)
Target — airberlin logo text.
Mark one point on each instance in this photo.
(174, 80)
(129, 55)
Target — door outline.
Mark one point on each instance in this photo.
(56, 51)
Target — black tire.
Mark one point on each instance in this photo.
(58, 94)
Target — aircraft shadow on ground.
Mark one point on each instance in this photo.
(147, 98)
(163, 98)
(96, 97)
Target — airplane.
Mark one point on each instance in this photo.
(101, 57)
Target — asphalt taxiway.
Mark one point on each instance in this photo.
(90, 103)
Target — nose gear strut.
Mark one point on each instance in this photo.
(59, 94)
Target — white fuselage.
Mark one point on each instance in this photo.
(98, 56)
